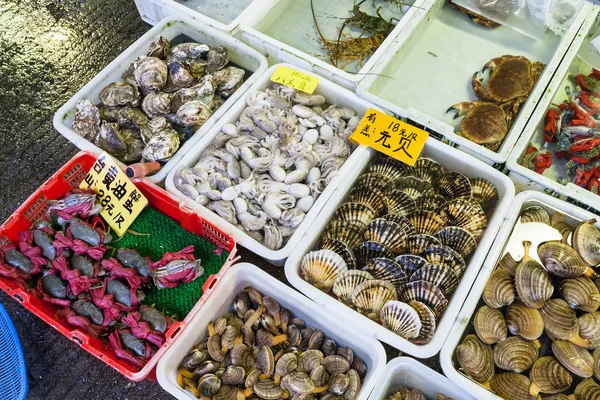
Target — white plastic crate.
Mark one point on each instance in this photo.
(454, 160)
(236, 279)
(523, 200)
(284, 31)
(170, 28)
(534, 130)
(359, 158)
(408, 372)
(429, 68)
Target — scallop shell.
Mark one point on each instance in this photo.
(388, 233)
(399, 202)
(410, 263)
(499, 290)
(516, 354)
(453, 185)
(428, 169)
(440, 275)
(535, 214)
(368, 250)
(413, 186)
(589, 327)
(401, 319)
(350, 234)
(446, 256)
(532, 282)
(458, 239)
(347, 281)
(386, 269)
(355, 213)
(426, 222)
(490, 325)
(484, 193)
(587, 389)
(475, 358)
(586, 241)
(524, 321)
(574, 358)
(341, 249)
(427, 318)
(322, 267)
(562, 260)
(391, 168)
(371, 197)
(509, 385)
(581, 293)
(374, 180)
(415, 244)
(370, 296)
(548, 376)
(466, 215)
(430, 202)
(402, 221)
(560, 322)
(426, 293)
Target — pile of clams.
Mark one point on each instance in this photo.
(406, 393)
(160, 101)
(264, 172)
(261, 351)
(396, 248)
(537, 335)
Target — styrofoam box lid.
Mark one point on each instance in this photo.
(412, 38)
(522, 200)
(454, 160)
(408, 372)
(170, 28)
(220, 302)
(334, 94)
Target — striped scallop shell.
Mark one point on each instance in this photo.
(355, 213)
(440, 275)
(428, 169)
(322, 267)
(342, 249)
(374, 180)
(388, 233)
(350, 234)
(399, 202)
(484, 193)
(371, 197)
(430, 202)
(446, 256)
(347, 281)
(386, 269)
(415, 244)
(427, 318)
(402, 221)
(427, 222)
(390, 167)
(368, 250)
(453, 185)
(458, 239)
(370, 296)
(413, 186)
(410, 262)
(426, 293)
(466, 215)
(401, 319)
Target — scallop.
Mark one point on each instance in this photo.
(484, 193)
(586, 241)
(427, 222)
(562, 260)
(427, 318)
(574, 358)
(587, 389)
(499, 291)
(535, 214)
(322, 267)
(399, 202)
(453, 185)
(355, 213)
(428, 169)
(446, 256)
(350, 234)
(426, 293)
(516, 354)
(467, 215)
(388, 233)
(370, 296)
(548, 376)
(532, 281)
(581, 293)
(475, 358)
(370, 197)
(560, 321)
(490, 325)
(347, 281)
(509, 385)
(589, 327)
(401, 319)
(415, 244)
(413, 186)
(402, 221)
(368, 250)
(386, 269)
(430, 202)
(410, 263)
(391, 168)
(441, 276)
(342, 249)
(374, 180)
(524, 321)
(458, 239)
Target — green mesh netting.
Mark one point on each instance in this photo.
(166, 235)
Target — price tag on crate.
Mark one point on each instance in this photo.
(121, 200)
(295, 79)
(390, 136)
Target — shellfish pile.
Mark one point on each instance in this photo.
(160, 101)
(264, 172)
(260, 350)
(413, 394)
(396, 248)
(538, 331)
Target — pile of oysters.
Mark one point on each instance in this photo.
(539, 329)
(406, 393)
(160, 101)
(396, 248)
(260, 350)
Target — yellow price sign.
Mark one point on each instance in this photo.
(121, 200)
(295, 79)
(390, 136)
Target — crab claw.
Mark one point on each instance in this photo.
(460, 108)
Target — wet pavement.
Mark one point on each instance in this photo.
(48, 50)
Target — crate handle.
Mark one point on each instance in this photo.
(79, 338)
(210, 283)
(185, 208)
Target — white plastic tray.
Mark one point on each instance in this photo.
(237, 278)
(408, 372)
(284, 31)
(533, 133)
(431, 65)
(359, 158)
(524, 199)
(240, 54)
(452, 159)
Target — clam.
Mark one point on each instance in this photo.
(426, 293)
(391, 168)
(458, 239)
(430, 202)
(516, 354)
(467, 215)
(340, 248)
(475, 358)
(596, 356)
(388, 233)
(535, 214)
(484, 193)
(524, 321)
(399, 202)
(509, 264)
(407, 394)
(560, 322)
(558, 222)
(214, 348)
(322, 267)
(320, 376)
(413, 186)
(386, 269)
(348, 233)
(347, 281)
(233, 375)
(374, 180)
(370, 197)
(265, 361)
(509, 385)
(581, 293)
(266, 389)
(401, 319)
(415, 244)
(402, 221)
(354, 381)
(370, 296)
(251, 378)
(490, 325)
(410, 263)
(453, 185)
(208, 385)
(336, 364)
(355, 213)
(574, 358)
(562, 260)
(446, 256)
(587, 389)
(309, 360)
(427, 222)
(532, 281)
(548, 376)
(428, 169)
(586, 241)
(367, 250)
(589, 327)
(441, 276)
(427, 318)
(499, 290)
(338, 384)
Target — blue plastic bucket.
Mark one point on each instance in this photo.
(13, 375)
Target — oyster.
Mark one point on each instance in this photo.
(228, 79)
(151, 74)
(516, 354)
(574, 358)
(157, 104)
(388, 233)
(586, 241)
(119, 94)
(370, 296)
(162, 146)
(426, 293)
(458, 239)
(524, 321)
(441, 276)
(159, 47)
(401, 319)
(427, 318)
(322, 267)
(86, 121)
(475, 358)
(188, 51)
(415, 244)
(453, 185)
(532, 281)
(499, 290)
(179, 77)
(548, 376)
(562, 260)
(368, 250)
(386, 269)
(484, 193)
(193, 114)
(490, 325)
(110, 140)
(347, 281)
(426, 222)
(581, 293)
(217, 58)
(535, 214)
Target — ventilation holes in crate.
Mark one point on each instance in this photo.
(4, 241)
(215, 236)
(74, 176)
(37, 210)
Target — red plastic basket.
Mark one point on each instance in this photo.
(68, 178)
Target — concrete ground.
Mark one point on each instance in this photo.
(48, 50)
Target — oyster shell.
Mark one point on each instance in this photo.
(162, 146)
(427, 318)
(458, 239)
(446, 256)
(453, 185)
(399, 202)
(119, 94)
(159, 47)
(467, 215)
(562, 260)
(441, 276)
(499, 290)
(151, 74)
(370, 296)
(535, 214)
(189, 50)
(415, 244)
(425, 292)
(548, 376)
(475, 358)
(228, 80)
(368, 250)
(179, 77)
(509, 385)
(217, 58)
(349, 233)
(574, 358)
(410, 263)
(427, 222)
(110, 140)
(157, 104)
(347, 281)
(430, 202)
(322, 267)
(427, 169)
(193, 114)
(342, 249)
(484, 193)
(86, 121)
(524, 321)
(586, 241)
(372, 198)
(386, 269)
(581, 293)
(354, 213)
(413, 186)
(532, 281)
(516, 354)
(490, 325)
(388, 233)
(401, 319)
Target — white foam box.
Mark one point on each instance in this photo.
(429, 68)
